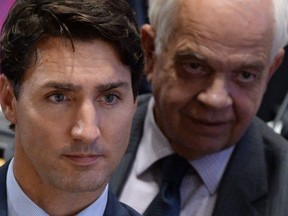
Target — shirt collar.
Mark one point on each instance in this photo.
(210, 168)
(19, 202)
(153, 144)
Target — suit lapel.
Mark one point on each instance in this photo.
(120, 175)
(116, 208)
(244, 183)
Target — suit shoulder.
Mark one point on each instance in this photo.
(271, 139)
(130, 211)
(116, 208)
(143, 99)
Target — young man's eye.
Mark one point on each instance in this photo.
(58, 98)
(110, 98)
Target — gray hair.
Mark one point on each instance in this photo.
(162, 15)
(281, 25)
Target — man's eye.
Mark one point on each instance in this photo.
(111, 99)
(58, 98)
(194, 68)
(246, 77)
(194, 65)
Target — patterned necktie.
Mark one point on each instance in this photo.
(167, 202)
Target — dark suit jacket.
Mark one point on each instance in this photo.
(255, 181)
(113, 208)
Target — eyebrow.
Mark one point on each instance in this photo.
(113, 85)
(62, 86)
(257, 65)
(188, 54)
(74, 88)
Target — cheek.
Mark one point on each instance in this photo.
(115, 129)
(171, 90)
(163, 74)
(245, 107)
(174, 96)
(122, 130)
(35, 142)
(41, 129)
(115, 137)
(247, 102)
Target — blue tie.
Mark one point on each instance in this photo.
(168, 201)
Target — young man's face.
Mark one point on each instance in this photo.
(73, 117)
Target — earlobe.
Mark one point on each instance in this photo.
(7, 99)
(148, 36)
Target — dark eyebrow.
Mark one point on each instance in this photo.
(73, 88)
(63, 86)
(114, 85)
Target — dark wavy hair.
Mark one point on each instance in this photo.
(31, 20)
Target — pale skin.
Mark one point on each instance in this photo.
(73, 118)
(209, 80)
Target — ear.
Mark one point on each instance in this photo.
(148, 36)
(7, 99)
(277, 62)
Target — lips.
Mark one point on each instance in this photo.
(82, 159)
(209, 127)
(211, 123)
(210, 119)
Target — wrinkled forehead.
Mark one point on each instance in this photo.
(250, 9)
(228, 18)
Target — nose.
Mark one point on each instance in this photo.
(216, 94)
(85, 127)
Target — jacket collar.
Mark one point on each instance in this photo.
(245, 179)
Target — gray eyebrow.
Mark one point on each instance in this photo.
(188, 54)
(258, 65)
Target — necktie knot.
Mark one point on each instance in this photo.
(173, 169)
(168, 200)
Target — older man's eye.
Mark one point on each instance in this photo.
(246, 77)
(193, 67)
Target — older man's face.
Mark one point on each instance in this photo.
(209, 80)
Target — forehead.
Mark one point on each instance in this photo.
(60, 50)
(55, 57)
(230, 23)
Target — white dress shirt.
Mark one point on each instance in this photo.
(19, 203)
(198, 192)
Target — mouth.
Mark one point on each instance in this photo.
(212, 127)
(82, 159)
(213, 123)
(209, 121)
